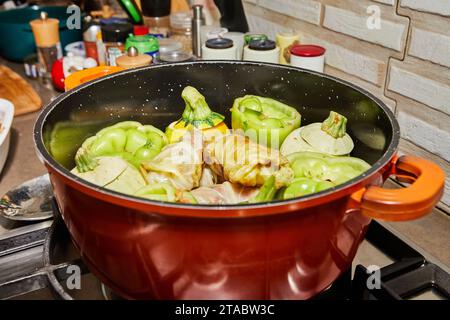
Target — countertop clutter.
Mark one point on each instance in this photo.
(133, 34)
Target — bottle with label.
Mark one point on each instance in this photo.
(114, 36)
(90, 35)
(285, 40)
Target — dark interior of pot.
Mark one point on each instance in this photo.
(153, 96)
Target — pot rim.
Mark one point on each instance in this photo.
(215, 211)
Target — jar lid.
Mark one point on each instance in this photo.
(176, 56)
(307, 50)
(144, 44)
(219, 43)
(254, 36)
(116, 32)
(133, 60)
(262, 45)
(140, 30)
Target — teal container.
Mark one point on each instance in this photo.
(16, 37)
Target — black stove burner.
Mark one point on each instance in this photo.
(407, 277)
(410, 276)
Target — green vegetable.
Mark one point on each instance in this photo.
(114, 173)
(321, 167)
(158, 192)
(197, 114)
(266, 192)
(165, 192)
(328, 137)
(264, 120)
(130, 140)
(302, 186)
(187, 197)
(66, 137)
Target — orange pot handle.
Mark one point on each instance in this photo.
(427, 186)
(82, 76)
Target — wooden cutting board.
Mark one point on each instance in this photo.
(17, 90)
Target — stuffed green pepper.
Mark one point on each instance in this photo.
(264, 120)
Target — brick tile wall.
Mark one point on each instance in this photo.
(406, 63)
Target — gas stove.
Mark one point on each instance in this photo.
(38, 260)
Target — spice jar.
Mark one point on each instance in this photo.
(114, 36)
(180, 29)
(46, 37)
(285, 40)
(133, 59)
(144, 44)
(309, 57)
(238, 41)
(219, 49)
(262, 50)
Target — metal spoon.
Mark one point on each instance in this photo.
(30, 201)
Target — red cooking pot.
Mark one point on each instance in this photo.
(291, 249)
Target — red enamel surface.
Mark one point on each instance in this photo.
(142, 252)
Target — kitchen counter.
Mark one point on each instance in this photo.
(22, 163)
(430, 235)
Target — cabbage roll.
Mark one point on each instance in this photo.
(209, 177)
(114, 173)
(225, 193)
(239, 160)
(179, 164)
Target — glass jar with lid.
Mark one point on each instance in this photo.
(181, 29)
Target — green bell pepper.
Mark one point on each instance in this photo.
(322, 167)
(130, 140)
(302, 186)
(266, 121)
(66, 137)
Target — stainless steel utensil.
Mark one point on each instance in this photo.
(30, 201)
